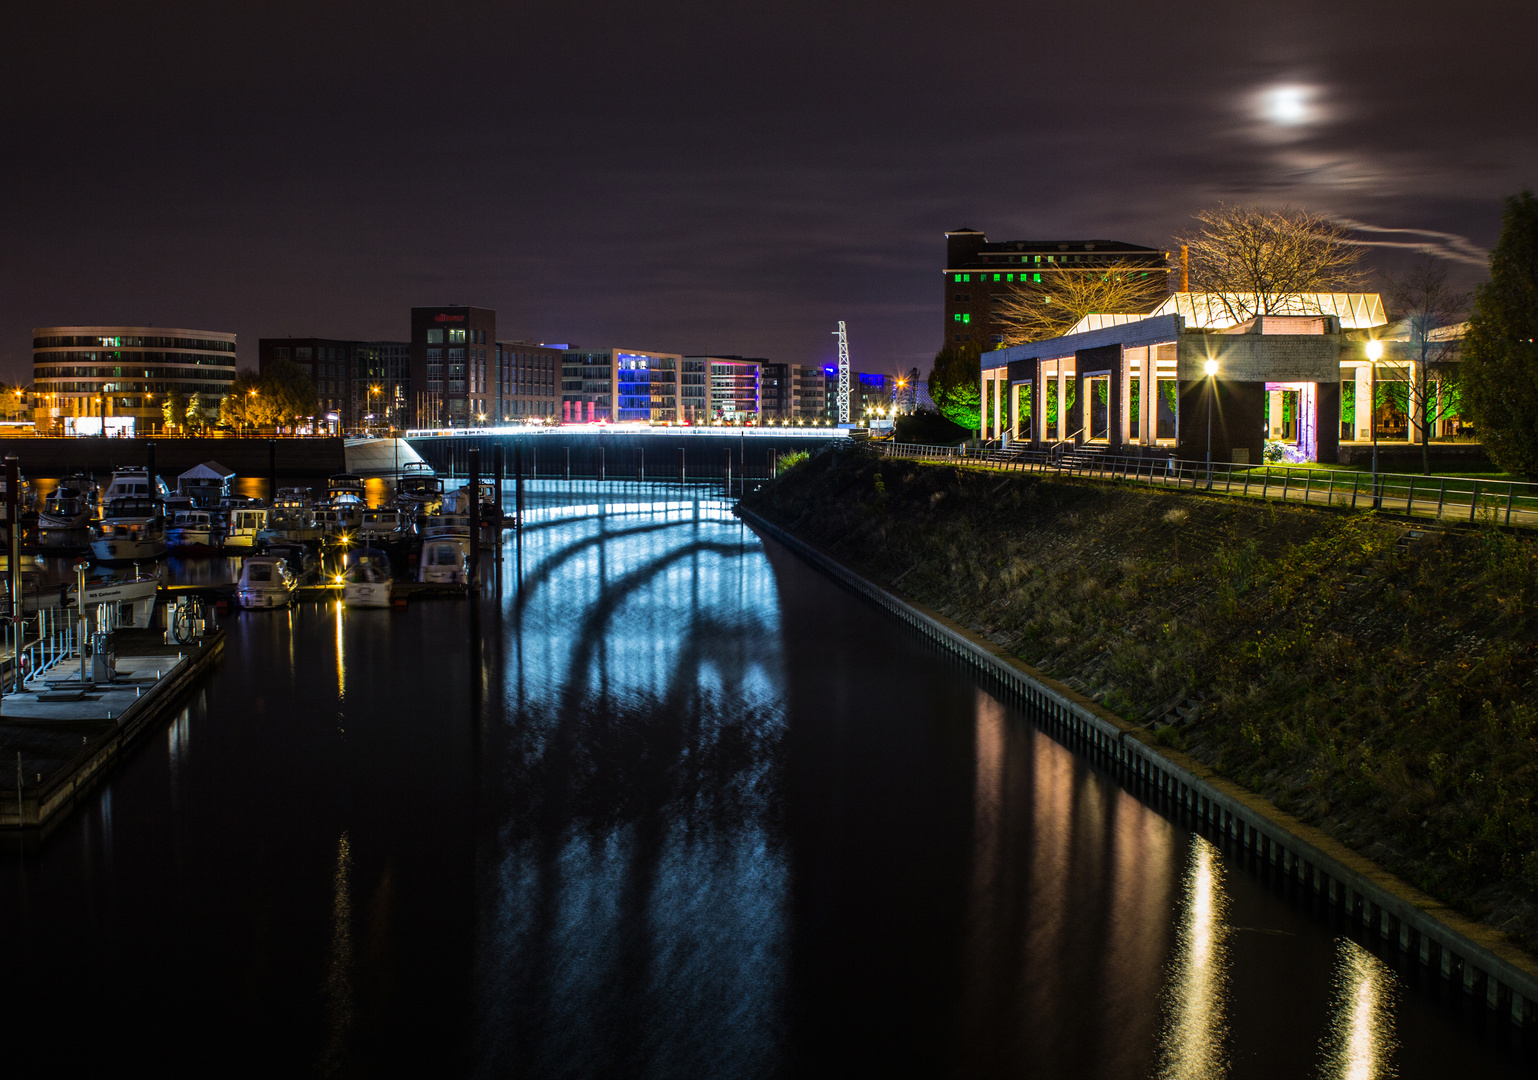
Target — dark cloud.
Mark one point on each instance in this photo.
(701, 176)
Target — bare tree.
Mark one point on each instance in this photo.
(1431, 309)
(1259, 262)
(1038, 311)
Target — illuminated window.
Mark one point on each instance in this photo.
(1037, 276)
(958, 316)
(435, 337)
(1009, 277)
(995, 277)
(958, 277)
(966, 318)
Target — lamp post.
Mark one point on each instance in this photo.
(1374, 352)
(1211, 368)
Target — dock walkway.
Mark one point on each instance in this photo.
(57, 735)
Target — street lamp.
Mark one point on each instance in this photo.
(1374, 352)
(1211, 367)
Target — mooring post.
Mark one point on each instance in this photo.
(473, 467)
(727, 472)
(681, 463)
(518, 486)
(272, 471)
(601, 475)
(640, 466)
(568, 464)
(497, 474)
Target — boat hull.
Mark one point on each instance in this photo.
(367, 594)
(109, 549)
(262, 599)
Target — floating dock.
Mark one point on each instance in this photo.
(58, 735)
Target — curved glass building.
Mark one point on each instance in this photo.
(90, 378)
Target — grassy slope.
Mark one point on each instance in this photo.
(1383, 691)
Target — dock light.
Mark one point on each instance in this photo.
(1375, 350)
(1211, 367)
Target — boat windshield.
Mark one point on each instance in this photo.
(259, 572)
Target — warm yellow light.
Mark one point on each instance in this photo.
(1211, 367)
(1374, 350)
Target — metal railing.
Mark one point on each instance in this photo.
(1456, 498)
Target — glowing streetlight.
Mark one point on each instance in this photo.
(1211, 367)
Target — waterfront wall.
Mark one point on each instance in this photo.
(248, 457)
(623, 455)
(1470, 955)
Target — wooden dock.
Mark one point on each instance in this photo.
(58, 735)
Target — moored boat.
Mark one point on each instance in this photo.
(265, 582)
(195, 531)
(445, 560)
(71, 505)
(244, 524)
(368, 580)
(131, 530)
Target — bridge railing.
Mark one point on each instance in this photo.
(1504, 502)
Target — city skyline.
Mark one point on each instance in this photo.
(697, 181)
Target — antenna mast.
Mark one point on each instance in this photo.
(843, 373)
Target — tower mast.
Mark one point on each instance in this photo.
(843, 373)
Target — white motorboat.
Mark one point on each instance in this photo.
(131, 530)
(135, 597)
(71, 505)
(195, 531)
(445, 560)
(384, 526)
(419, 492)
(244, 523)
(135, 483)
(368, 580)
(293, 515)
(458, 505)
(265, 582)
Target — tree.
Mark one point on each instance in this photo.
(286, 393)
(238, 406)
(1431, 308)
(1500, 350)
(955, 385)
(1048, 309)
(171, 409)
(194, 412)
(1258, 262)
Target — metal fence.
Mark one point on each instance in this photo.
(1457, 498)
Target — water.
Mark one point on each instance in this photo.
(671, 805)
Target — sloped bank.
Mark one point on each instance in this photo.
(1360, 679)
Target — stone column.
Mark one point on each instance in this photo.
(1148, 400)
(1062, 401)
(998, 406)
(982, 412)
(1123, 421)
(1412, 387)
(1014, 412)
(1274, 414)
(1039, 404)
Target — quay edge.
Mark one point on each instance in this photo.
(1488, 966)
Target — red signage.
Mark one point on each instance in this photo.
(448, 318)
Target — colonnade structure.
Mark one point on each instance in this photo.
(1139, 384)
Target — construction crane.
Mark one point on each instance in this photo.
(843, 373)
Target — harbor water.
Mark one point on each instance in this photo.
(663, 802)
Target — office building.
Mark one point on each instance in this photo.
(528, 381)
(733, 389)
(979, 276)
(791, 392)
(453, 365)
(91, 379)
(620, 386)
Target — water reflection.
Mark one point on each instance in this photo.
(339, 988)
(1360, 1044)
(1193, 1043)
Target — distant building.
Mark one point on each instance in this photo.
(620, 385)
(791, 392)
(734, 386)
(453, 365)
(867, 391)
(528, 381)
(979, 274)
(115, 378)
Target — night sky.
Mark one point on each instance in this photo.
(731, 178)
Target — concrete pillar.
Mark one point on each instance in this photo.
(1413, 428)
(1039, 406)
(1121, 423)
(1014, 412)
(982, 412)
(1062, 401)
(1148, 401)
(1274, 414)
(1362, 425)
(998, 406)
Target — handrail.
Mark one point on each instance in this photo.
(1503, 502)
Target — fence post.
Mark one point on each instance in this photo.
(1510, 490)
(1355, 479)
(1473, 502)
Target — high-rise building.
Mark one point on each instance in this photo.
(453, 366)
(528, 381)
(867, 391)
(979, 275)
(117, 378)
(353, 379)
(790, 392)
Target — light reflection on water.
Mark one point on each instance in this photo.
(1361, 1043)
(1193, 1043)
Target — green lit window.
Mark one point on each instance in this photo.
(1037, 277)
(966, 277)
(958, 277)
(966, 318)
(1009, 277)
(995, 277)
(958, 316)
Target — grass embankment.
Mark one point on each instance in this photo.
(1380, 689)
